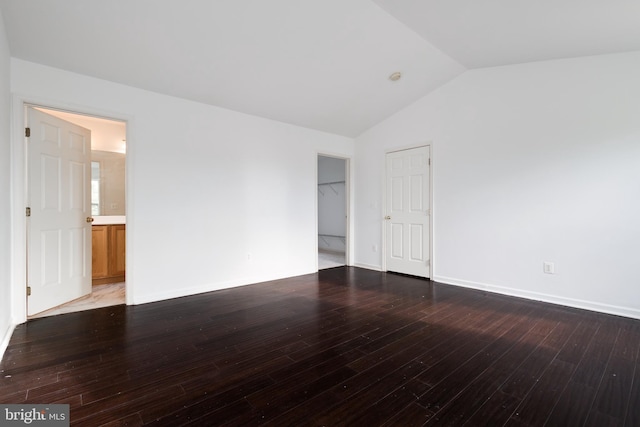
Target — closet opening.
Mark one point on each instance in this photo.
(332, 212)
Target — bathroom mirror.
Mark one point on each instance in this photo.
(107, 183)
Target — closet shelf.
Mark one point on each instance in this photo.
(324, 238)
(330, 184)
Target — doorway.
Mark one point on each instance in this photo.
(103, 173)
(332, 212)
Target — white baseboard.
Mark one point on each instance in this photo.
(210, 287)
(6, 337)
(536, 296)
(367, 266)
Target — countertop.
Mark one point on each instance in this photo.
(111, 219)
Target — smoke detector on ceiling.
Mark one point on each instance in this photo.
(394, 77)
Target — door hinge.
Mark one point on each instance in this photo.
(27, 132)
(428, 263)
(28, 211)
(28, 291)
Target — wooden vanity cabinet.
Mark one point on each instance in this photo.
(99, 252)
(108, 253)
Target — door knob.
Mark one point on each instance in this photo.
(387, 217)
(89, 219)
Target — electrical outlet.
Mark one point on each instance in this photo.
(249, 256)
(374, 248)
(548, 267)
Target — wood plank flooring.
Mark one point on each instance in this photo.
(344, 347)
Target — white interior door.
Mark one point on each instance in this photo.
(408, 212)
(59, 197)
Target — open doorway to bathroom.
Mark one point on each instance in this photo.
(108, 229)
(332, 212)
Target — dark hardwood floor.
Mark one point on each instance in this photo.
(345, 346)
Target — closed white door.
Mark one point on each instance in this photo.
(59, 198)
(408, 212)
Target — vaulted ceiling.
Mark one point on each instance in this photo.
(322, 64)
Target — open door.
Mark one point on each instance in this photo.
(408, 225)
(59, 211)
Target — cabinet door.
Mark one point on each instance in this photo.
(99, 251)
(118, 242)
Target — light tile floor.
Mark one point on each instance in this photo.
(101, 296)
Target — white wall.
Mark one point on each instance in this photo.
(207, 186)
(331, 203)
(531, 163)
(331, 169)
(5, 175)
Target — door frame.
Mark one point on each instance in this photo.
(383, 209)
(348, 252)
(19, 195)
